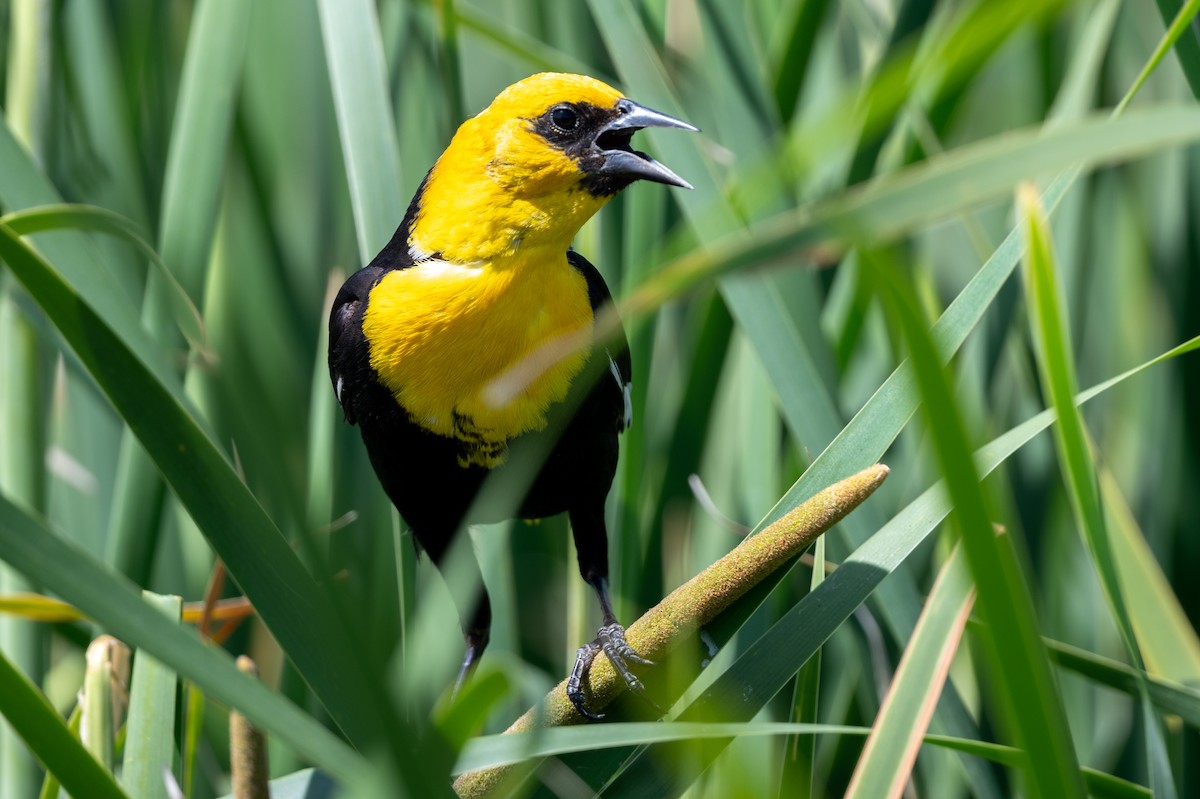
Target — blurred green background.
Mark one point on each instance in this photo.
(854, 185)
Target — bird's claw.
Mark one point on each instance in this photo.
(611, 641)
(579, 674)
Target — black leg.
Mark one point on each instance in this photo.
(591, 542)
(476, 627)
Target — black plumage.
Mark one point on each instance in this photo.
(421, 472)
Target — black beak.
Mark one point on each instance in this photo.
(622, 161)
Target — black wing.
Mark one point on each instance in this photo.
(617, 353)
(349, 356)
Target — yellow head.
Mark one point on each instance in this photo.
(531, 168)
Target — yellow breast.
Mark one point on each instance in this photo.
(440, 332)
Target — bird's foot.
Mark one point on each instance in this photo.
(611, 641)
(579, 674)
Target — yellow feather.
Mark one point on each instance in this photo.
(439, 333)
(497, 214)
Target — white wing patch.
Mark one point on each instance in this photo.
(340, 385)
(434, 268)
(417, 254)
(626, 389)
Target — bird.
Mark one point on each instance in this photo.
(479, 274)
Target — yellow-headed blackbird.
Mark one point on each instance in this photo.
(478, 275)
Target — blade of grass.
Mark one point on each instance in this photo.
(1028, 695)
(27, 111)
(790, 357)
(192, 731)
(284, 594)
(1177, 16)
(354, 52)
(1044, 295)
(43, 730)
(1167, 639)
(36, 607)
(796, 42)
(117, 605)
(797, 776)
(1181, 34)
(890, 407)
(930, 73)
(684, 448)
(911, 19)
(920, 195)
(150, 731)
(765, 666)
(740, 87)
(25, 186)
(535, 52)
(800, 391)
(200, 132)
(879, 421)
(94, 69)
(885, 766)
(807, 408)
(26, 103)
(51, 787)
(191, 191)
(641, 227)
(979, 289)
(491, 751)
(1170, 697)
(22, 454)
(322, 417)
(1106, 786)
(41, 219)
(500, 750)
(451, 76)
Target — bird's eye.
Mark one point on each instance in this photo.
(564, 117)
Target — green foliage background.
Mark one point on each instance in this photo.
(853, 209)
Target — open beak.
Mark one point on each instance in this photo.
(621, 160)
